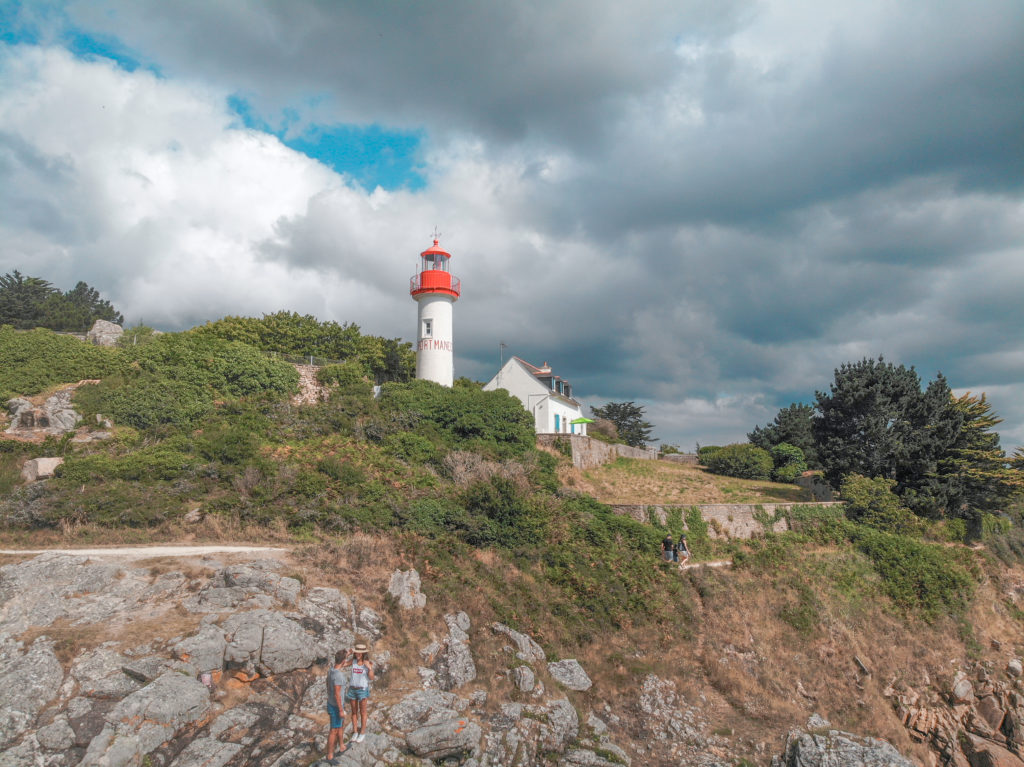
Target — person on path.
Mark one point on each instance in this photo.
(359, 688)
(336, 684)
(667, 548)
(682, 551)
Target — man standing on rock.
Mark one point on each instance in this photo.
(336, 684)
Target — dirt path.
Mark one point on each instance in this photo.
(713, 563)
(150, 552)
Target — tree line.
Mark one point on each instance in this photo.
(939, 453)
(32, 302)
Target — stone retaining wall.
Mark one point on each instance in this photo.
(588, 452)
(725, 520)
(689, 459)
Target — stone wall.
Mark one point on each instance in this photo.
(725, 520)
(690, 459)
(588, 452)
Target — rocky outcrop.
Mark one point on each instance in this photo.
(104, 333)
(526, 649)
(405, 588)
(569, 673)
(833, 748)
(39, 468)
(238, 684)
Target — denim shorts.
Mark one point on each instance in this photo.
(357, 693)
(337, 720)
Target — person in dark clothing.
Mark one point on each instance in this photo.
(682, 551)
(668, 548)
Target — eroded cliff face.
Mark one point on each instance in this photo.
(211, 662)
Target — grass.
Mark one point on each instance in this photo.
(634, 481)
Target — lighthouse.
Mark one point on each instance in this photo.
(435, 290)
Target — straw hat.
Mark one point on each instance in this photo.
(360, 647)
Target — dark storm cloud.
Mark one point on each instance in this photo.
(705, 207)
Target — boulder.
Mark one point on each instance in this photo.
(561, 725)
(1014, 667)
(27, 683)
(569, 673)
(100, 674)
(962, 690)
(523, 678)
(985, 753)
(205, 650)
(268, 642)
(451, 738)
(405, 588)
(991, 711)
(424, 707)
(206, 752)
(369, 624)
(40, 468)
(837, 749)
(527, 649)
(104, 333)
(56, 736)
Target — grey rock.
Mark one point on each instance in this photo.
(268, 641)
(562, 725)
(962, 690)
(818, 722)
(405, 588)
(528, 650)
(25, 754)
(597, 724)
(40, 468)
(424, 707)
(17, 405)
(582, 757)
(837, 749)
(147, 718)
(523, 678)
(145, 670)
(1014, 667)
(431, 651)
(458, 668)
(56, 736)
(458, 626)
(99, 674)
(286, 646)
(451, 738)
(569, 673)
(370, 624)
(27, 683)
(104, 333)
(664, 714)
(205, 650)
(206, 752)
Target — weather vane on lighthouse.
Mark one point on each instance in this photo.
(435, 291)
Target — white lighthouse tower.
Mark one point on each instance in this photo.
(435, 291)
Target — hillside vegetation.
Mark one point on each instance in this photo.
(635, 481)
(208, 445)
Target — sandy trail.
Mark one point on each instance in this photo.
(150, 552)
(714, 563)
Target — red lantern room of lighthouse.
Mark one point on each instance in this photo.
(435, 290)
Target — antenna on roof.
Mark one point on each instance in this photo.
(436, 235)
(501, 358)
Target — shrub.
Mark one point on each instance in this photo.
(788, 461)
(871, 501)
(464, 417)
(349, 378)
(146, 402)
(916, 575)
(705, 452)
(410, 447)
(697, 538)
(33, 361)
(344, 472)
(743, 461)
(146, 466)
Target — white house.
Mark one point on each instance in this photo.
(547, 396)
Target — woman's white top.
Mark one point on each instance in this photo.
(360, 676)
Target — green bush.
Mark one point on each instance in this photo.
(33, 361)
(346, 473)
(697, 538)
(146, 466)
(145, 403)
(349, 378)
(872, 502)
(788, 462)
(410, 447)
(743, 461)
(705, 452)
(920, 576)
(465, 417)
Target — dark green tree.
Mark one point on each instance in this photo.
(628, 418)
(794, 426)
(22, 299)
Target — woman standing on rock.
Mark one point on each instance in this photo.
(359, 688)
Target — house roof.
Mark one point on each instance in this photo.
(541, 373)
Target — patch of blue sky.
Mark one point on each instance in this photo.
(371, 155)
(40, 23)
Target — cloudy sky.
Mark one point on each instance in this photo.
(704, 206)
